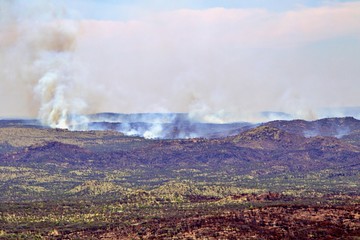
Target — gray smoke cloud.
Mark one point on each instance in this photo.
(224, 65)
(219, 65)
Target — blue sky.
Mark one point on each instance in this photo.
(129, 9)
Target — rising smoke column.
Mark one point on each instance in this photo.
(54, 65)
(41, 42)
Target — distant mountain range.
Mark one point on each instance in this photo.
(181, 126)
(330, 141)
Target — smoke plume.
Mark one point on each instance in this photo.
(225, 65)
(219, 65)
(38, 41)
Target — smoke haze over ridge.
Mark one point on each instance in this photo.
(218, 64)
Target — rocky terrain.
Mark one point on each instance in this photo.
(277, 180)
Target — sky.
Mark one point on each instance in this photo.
(221, 61)
(131, 9)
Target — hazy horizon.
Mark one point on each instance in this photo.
(220, 62)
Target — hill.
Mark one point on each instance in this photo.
(335, 127)
(57, 183)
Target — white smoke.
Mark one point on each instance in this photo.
(225, 65)
(219, 65)
(41, 42)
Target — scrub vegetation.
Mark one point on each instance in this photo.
(268, 182)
